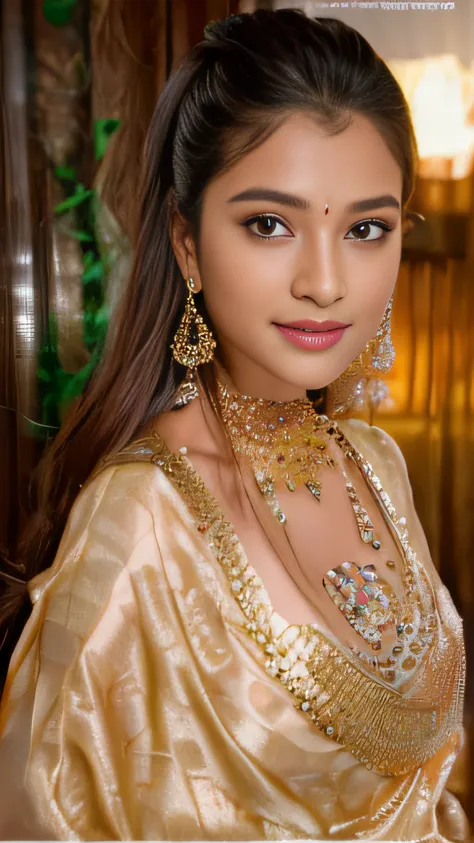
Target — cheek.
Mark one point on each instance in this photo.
(240, 278)
(371, 279)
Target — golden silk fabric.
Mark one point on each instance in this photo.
(140, 705)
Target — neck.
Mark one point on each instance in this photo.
(284, 440)
(253, 386)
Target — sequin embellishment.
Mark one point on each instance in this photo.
(364, 598)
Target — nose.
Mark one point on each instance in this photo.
(319, 273)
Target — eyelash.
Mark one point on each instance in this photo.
(386, 228)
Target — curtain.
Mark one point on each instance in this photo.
(432, 419)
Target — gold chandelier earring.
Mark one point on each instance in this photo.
(193, 343)
(361, 384)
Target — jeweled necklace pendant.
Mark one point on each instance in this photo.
(283, 441)
(287, 441)
(364, 523)
(365, 598)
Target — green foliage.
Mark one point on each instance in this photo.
(59, 12)
(58, 389)
(102, 131)
(79, 196)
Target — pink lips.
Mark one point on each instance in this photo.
(311, 335)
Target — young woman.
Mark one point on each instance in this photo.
(237, 632)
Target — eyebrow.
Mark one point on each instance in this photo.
(269, 195)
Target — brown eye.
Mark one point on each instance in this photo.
(362, 230)
(369, 230)
(266, 227)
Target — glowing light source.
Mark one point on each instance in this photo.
(440, 93)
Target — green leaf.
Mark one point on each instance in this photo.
(77, 382)
(65, 173)
(95, 330)
(59, 12)
(73, 201)
(103, 129)
(44, 376)
(95, 272)
(88, 259)
(102, 317)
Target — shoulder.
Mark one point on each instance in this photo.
(115, 566)
(129, 488)
(372, 438)
(119, 498)
(112, 535)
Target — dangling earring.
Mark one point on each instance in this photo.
(193, 342)
(381, 350)
(360, 383)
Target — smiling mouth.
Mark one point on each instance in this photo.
(311, 326)
(313, 336)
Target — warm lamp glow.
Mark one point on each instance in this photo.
(440, 92)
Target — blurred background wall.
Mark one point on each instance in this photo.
(78, 83)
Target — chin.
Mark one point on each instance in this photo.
(309, 370)
(309, 376)
(297, 383)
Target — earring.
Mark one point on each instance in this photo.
(381, 350)
(360, 383)
(193, 342)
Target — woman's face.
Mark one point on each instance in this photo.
(304, 231)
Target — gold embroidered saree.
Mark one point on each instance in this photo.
(142, 700)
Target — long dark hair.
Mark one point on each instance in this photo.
(231, 92)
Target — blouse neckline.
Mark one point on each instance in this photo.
(246, 585)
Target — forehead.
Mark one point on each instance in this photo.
(301, 157)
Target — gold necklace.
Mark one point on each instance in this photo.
(288, 441)
(283, 441)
